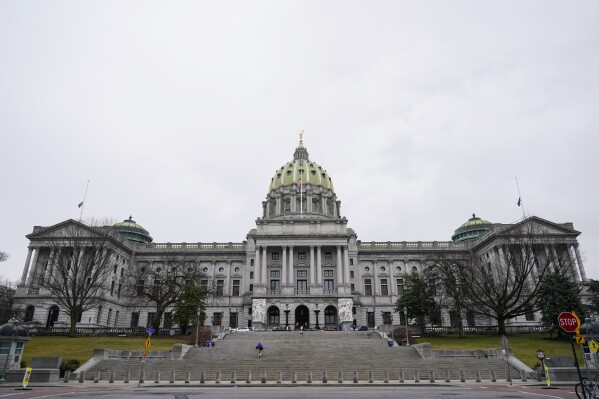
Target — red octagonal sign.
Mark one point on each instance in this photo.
(567, 321)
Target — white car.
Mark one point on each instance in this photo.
(243, 329)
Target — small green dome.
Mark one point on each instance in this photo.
(470, 230)
(301, 169)
(133, 231)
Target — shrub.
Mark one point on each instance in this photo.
(71, 365)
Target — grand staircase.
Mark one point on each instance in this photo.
(296, 354)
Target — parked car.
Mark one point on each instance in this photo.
(279, 328)
(361, 328)
(330, 328)
(243, 329)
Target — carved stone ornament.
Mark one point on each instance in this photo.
(345, 307)
(259, 311)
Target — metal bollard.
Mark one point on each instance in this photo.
(493, 377)
(157, 377)
(370, 377)
(447, 376)
(172, 379)
(401, 377)
(248, 377)
(477, 375)
(67, 376)
(142, 377)
(523, 376)
(340, 377)
(355, 377)
(233, 377)
(217, 377)
(112, 377)
(96, 377)
(81, 376)
(431, 375)
(127, 376)
(324, 377)
(538, 372)
(416, 376)
(202, 377)
(386, 376)
(279, 377)
(294, 377)
(187, 377)
(263, 377)
(462, 376)
(309, 379)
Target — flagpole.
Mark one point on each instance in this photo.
(83, 203)
(520, 202)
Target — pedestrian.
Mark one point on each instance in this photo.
(259, 348)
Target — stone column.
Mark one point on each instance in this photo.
(583, 274)
(339, 266)
(309, 199)
(312, 256)
(572, 262)
(346, 266)
(257, 271)
(26, 267)
(227, 287)
(264, 277)
(319, 260)
(284, 267)
(34, 266)
(290, 265)
(548, 259)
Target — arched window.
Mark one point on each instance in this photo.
(29, 313)
(273, 315)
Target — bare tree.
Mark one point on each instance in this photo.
(78, 269)
(7, 292)
(505, 284)
(3, 256)
(161, 283)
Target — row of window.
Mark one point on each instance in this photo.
(384, 286)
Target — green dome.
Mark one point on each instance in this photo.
(470, 230)
(301, 168)
(133, 231)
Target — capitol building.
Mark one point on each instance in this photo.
(301, 265)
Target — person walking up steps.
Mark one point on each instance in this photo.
(260, 348)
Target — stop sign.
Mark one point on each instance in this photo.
(568, 322)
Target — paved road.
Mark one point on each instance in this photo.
(289, 392)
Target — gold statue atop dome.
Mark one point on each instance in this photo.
(302, 135)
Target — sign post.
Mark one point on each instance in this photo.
(149, 331)
(506, 355)
(26, 377)
(569, 322)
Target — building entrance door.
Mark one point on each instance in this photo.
(52, 316)
(302, 317)
(330, 316)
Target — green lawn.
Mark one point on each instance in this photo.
(81, 348)
(524, 346)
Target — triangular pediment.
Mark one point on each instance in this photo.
(541, 226)
(69, 229)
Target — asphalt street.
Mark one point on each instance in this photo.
(292, 392)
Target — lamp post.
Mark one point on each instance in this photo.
(287, 316)
(197, 327)
(14, 331)
(316, 310)
(405, 314)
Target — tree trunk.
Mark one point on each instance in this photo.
(73, 326)
(501, 326)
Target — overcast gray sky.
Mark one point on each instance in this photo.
(180, 112)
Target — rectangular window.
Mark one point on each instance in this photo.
(251, 287)
(274, 256)
(235, 287)
(353, 310)
(251, 275)
(135, 319)
(367, 286)
(220, 284)
(351, 262)
(353, 287)
(530, 316)
(18, 351)
(302, 285)
(301, 256)
(118, 293)
(384, 289)
(149, 323)
(218, 319)
(399, 283)
(328, 286)
(111, 288)
(351, 274)
(328, 256)
(302, 273)
(275, 285)
(251, 262)
(4, 348)
(204, 285)
(275, 273)
(328, 273)
(168, 320)
(250, 310)
(386, 317)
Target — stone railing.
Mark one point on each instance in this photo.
(104, 331)
(411, 245)
(215, 246)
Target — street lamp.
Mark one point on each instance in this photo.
(405, 314)
(316, 310)
(287, 316)
(198, 327)
(14, 332)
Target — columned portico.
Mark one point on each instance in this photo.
(27, 263)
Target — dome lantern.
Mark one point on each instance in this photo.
(133, 231)
(471, 229)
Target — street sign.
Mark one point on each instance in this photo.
(150, 331)
(568, 322)
(594, 346)
(26, 377)
(580, 339)
(147, 343)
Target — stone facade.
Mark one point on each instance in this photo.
(300, 266)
